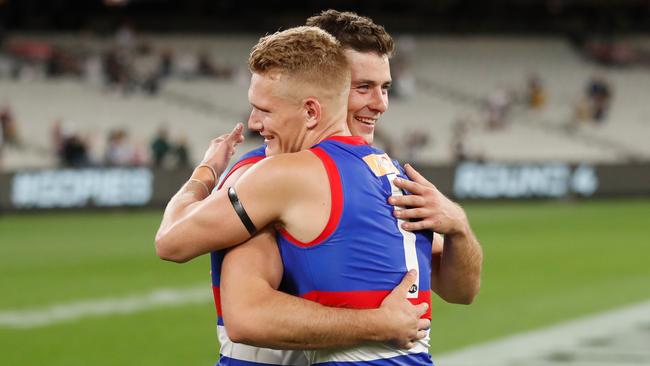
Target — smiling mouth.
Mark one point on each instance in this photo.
(366, 121)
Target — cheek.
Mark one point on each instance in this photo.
(356, 102)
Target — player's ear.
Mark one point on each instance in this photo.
(313, 112)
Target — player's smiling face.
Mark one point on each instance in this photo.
(368, 98)
(274, 114)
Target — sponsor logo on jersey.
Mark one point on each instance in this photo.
(380, 164)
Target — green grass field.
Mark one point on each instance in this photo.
(544, 263)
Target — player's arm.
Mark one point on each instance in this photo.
(456, 261)
(196, 222)
(256, 313)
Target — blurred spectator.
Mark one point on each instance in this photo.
(116, 69)
(404, 81)
(63, 62)
(2, 144)
(599, 92)
(535, 93)
(92, 70)
(125, 36)
(5, 66)
(581, 112)
(186, 65)
(210, 68)
(166, 63)
(182, 153)
(1, 148)
(29, 58)
(57, 134)
(146, 69)
(8, 126)
(611, 52)
(69, 146)
(74, 153)
(119, 151)
(140, 156)
(415, 140)
(160, 147)
(497, 107)
(458, 137)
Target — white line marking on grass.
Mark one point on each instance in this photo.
(621, 333)
(58, 313)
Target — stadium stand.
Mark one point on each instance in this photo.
(456, 77)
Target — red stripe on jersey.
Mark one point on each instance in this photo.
(217, 299)
(362, 299)
(241, 163)
(337, 201)
(350, 140)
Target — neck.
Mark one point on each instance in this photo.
(335, 126)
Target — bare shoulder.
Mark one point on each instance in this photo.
(277, 186)
(235, 175)
(293, 167)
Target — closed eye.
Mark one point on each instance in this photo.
(260, 108)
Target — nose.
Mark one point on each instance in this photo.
(254, 123)
(379, 101)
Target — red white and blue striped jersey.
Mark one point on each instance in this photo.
(362, 253)
(237, 354)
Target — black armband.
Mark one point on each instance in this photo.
(239, 209)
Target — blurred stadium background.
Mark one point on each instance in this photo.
(535, 114)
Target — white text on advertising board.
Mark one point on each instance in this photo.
(495, 180)
(82, 187)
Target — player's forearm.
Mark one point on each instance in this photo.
(278, 320)
(458, 275)
(174, 236)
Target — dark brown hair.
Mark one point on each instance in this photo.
(354, 31)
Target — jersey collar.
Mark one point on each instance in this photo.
(350, 140)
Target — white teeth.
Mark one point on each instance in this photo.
(369, 121)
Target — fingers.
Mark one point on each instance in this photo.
(231, 139)
(239, 127)
(424, 324)
(421, 334)
(410, 186)
(406, 283)
(235, 137)
(408, 200)
(416, 176)
(418, 225)
(411, 213)
(421, 309)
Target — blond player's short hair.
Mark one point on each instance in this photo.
(306, 54)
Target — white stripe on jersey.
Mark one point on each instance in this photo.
(245, 352)
(410, 252)
(367, 352)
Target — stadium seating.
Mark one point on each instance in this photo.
(455, 76)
